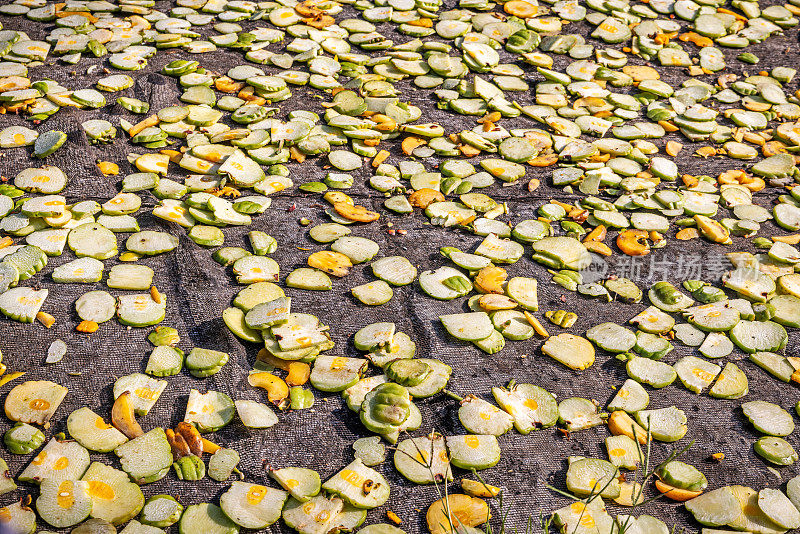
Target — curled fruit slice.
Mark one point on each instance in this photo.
(462, 510)
(676, 494)
(277, 389)
(355, 213)
(122, 416)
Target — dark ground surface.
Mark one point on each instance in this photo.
(198, 289)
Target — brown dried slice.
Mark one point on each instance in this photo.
(422, 198)
(123, 417)
(355, 213)
(178, 445)
(192, 437)
(334, 263)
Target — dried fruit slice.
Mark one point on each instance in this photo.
(584, 518)
(373, 293)
(731, 383)
(222, 464)
(209, 411)
(573, 351)
(147, 458)
(396, 270)
(207, 518)
(254, 414)
(336, 373)
(696, 374)
(144, 390)
(530, 406)
(34, 401)
(359, 485)
(715, 508)
(161, 511)
(578, 414)
(301, 483)
(473, 326)
(423, 460)
(751, 518)
(18, 518)
(252, 505)
(141, 310)
(473, 451)
(631, 397)
(587, 476)
(317, 515)
(355, 213)
(22, 303)
(64, 503)
(333, 263)
(778, 508)
(91, 431)
(664, 424)
(369, 450)
(612, 337)
(57, 461)
(92, 240)
(114, 497)
(98, 306)
(768, 418)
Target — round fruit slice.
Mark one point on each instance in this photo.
(65, 503)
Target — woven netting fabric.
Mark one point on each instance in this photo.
(198, 290)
